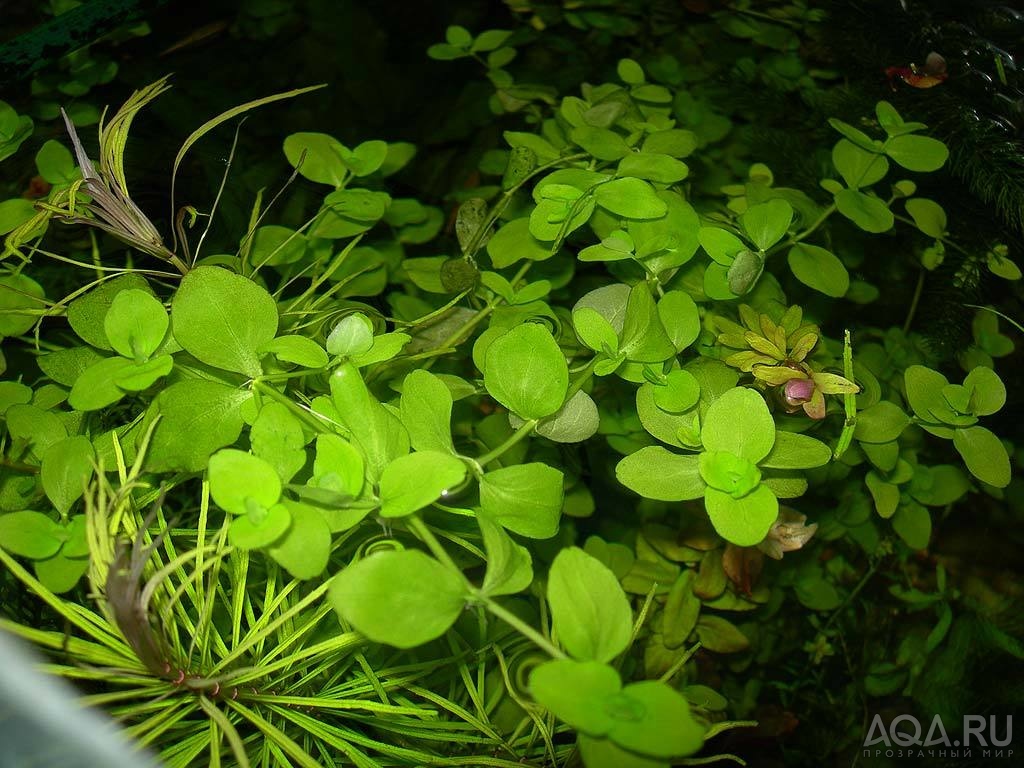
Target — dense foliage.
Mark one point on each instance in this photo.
(628, 449)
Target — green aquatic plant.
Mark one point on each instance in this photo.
(360, 491)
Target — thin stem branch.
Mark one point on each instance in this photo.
(914, 301)
(524, 629)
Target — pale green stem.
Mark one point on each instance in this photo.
(524, 629)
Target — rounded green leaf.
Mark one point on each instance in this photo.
(19, 292)
(97, 386)
(716, 283)
(644, 339)
(576, 692)
(135, 324)
(766, 223)
(917, 153)
(662, 169)
(656, 473)
(819, 269)
(574, 422)
(721, 246)
(885, 495)
(509, 567)
(34, 426)
(320, 157)
(136, 377)
(858, 167)
(338, 466)
(458, 36)
(590, 613)
(654, 719)
(525, 371)
(14, 212)
(680, 318)
(984, 454)
(305, 547)
(67, 467)
(260, 528)
(594, 331)
(87, 314)
(630, 198)
(489, 40)
(30, 534)
(739, 422)
(426, 409)
(745, 521)
(725, 471)
(513, 242)
(795, 451)
(888, 117)
(273, 245)
(277, 438)
(77, 543)
(445, 52)
(924, 387)
(816, 593)
(670, 241)
(987, 391)
(374, 429)
(883, 422)
(676, 429)
(679, 392)
(630, 72)
(682, 607)
(60, 573)
(403, 598)
(13, 393)
(674, 141)
(602, 752)
(55, 163)
(297, 349)
(412, 482)
(238, 479)
(524, 498)
(869, 213)
(224, 319)
(855, 135)
(347, 212)
(602, 143)
(941, 485)
(353, 335)
(913, 524)
(196, 418)
(927, 215)
(609, 301)
(367, 157)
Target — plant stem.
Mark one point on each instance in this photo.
(799, 236)
(528, 426)
(18, 466)
(423, 532)
(524, 629)
(264, 389)
(914, 301)
(849, 598)
(515, 437)
(849, 401)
